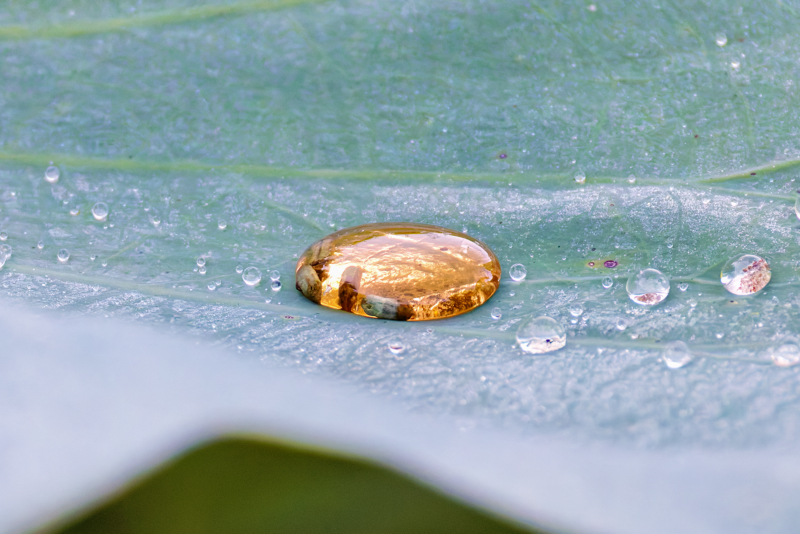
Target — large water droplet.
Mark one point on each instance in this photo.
(5, 253)
(648, 287)
(580, 177)
(721, 39)
(745, 275)
(541, 334)
(607, 282)
(497, 314)
(63, 255)
(676, 354)
(518, 272)
(100, 211)
(51, 174)
(787, 353)
(251, 276)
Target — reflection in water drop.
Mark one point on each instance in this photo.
(576, 309)
(648, 287)
(51, 174)
(239, 269)
(676, 354)
(5, 253)
(251, 276)
(497, 314)
(683, 286)
(787, 353)
(541, 334)
(517, 272)
(63, 255)
(222, 225)
(100, 211)
(3, 236)
(274, 275)
(580, 177)
(396, 346)
(607, 282)
(276, 285)
(745, 275)
(721, 39)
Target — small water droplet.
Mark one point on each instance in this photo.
(201, 261)
(274, 275)
(576, 309)
(787, 353)
(621, 324)
(202, 270)
(676, 354)
(51, 174)
(40, 245)
(100, 211)
(5, 253)
(93, 257)
(155, 220)
(396, 346)
(511, 293)
(75, 211)
(631, 179)
(211, 286)
(735, 64)
(518, 272)
(683, 286)
(497, 314)
(721, 39)
(607, 282)
(276, 285)
(251, 276)
(648, 287)
(706, 200)
(3, 236)
(580, 177)
(541, 334)
(720, 335)
(63, 255)
(104, 264)
(222, 225)
(745, 275)
(239, 269)
(592, 7)
(797, 207)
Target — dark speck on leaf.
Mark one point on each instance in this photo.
(696, 136)
(591, 264)
(593, 249)
(502, 156)
(752, 174)
(610, 264)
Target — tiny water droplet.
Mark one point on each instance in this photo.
(104, 264)
(211, 286)
(93, 257)
(251, 276)
(5, 253)
(576, 309)
(201, 261)
(592, 7)
(720, 335)
(155, 220)
(3, 236)
(683, 286)
(511, 293)
(75, 211)
(580, 177)
(40, 245)
(497, 314)
(631, 179)
(396, 347)
(621, 324)
(51, 174)
(721, 39)
(63, 255)
(274, 275)
(607, 282)
(648, 287)
(541, 334)
(239, 269)
(676, 354)
(745, 275)
(735, 64)
(517, 272)
(202, 270)
(787, 353)
(276, 285)
(100, 211)
(222, 225)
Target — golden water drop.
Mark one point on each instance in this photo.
(401, 271)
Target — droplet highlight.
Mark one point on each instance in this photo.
(745, 275)
(648, 287)
(540, 335)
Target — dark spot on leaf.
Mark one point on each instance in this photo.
(443, 249)
(741, 39)
(593, 249)
(696, 136)
(610, 264)
(502, 156)
(591, 264)
(752, 174)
